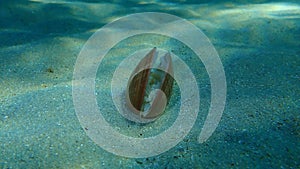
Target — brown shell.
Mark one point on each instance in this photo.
(136, 88)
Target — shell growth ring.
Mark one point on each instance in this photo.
(98, 45)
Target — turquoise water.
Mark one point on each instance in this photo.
(257, 42)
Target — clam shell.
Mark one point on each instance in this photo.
(145, 104)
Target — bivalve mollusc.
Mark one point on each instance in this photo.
(150, 86)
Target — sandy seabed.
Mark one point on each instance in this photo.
(258, 45)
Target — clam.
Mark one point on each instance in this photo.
(149, 87)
